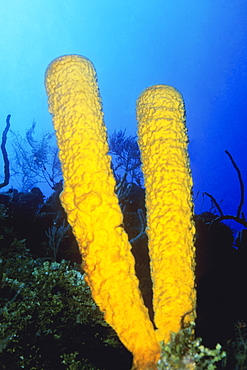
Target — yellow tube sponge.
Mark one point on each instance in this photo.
(92, 206)
(168, 182)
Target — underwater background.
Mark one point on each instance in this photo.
(47, 313)
(199, 47)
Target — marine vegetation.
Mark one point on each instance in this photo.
(221, 278)
(35, 161)
(240, 216)
(183, 351)
(126, 158)
(49, 320)
(5, 154)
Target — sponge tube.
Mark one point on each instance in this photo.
(92, 206)
(168, 182)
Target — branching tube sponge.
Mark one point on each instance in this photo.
(92, 206)
(95, 216)
(168, 182)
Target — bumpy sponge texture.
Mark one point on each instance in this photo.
(168, 182)
(92, 206)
